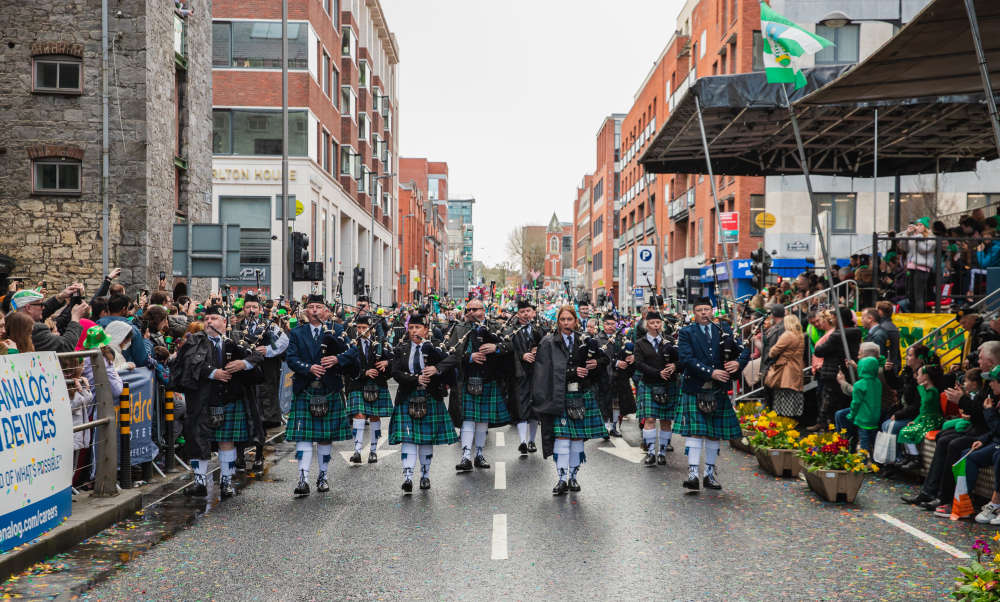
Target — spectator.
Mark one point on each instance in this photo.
(876, 334)
(831, 349)
(786, 362)
(120, 334)
(118, 310)
(985, 451)
(30, 303)
(19, 327)
(919, 261)
(861, 418)
(929, 378)
(893, 360)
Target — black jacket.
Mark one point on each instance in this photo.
(832, 352)
(376, 352)
(649, 362)
(433, 356)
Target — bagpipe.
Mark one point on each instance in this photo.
(430, 355)
(479, 334)
(330, 344)
(378, 350)
(585, 348)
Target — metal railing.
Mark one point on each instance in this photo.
(936, 342)
(95, 414)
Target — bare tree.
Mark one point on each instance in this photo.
(529, 254)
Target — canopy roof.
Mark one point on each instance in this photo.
(929, 117)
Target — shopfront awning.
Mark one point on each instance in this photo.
(929, 118)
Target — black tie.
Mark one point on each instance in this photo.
(218, 350)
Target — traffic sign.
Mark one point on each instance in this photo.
(764, 220)
(639, 292)
(729, 222)
(645, 265)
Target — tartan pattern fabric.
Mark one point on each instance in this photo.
(720, 424)
(647, 408)
(303, 426)
(488, 407)
(592, 425)
(435, 428)
(235, 426)
(382, 406)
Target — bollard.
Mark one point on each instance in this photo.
(124, 443)
(169, 459)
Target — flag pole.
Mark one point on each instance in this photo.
(715, 200)
(816, 226)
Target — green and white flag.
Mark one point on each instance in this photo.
(784, 43)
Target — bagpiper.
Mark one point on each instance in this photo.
(477, 400)
(525, 335)
(217, 378)
(318, 355)
(270, 341)
(563, 386)
(368, 388)
(420, 419)
(710, 357)
(615, 395)
(657, 388)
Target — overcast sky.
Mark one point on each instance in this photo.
(511, 94)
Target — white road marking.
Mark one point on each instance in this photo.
(937, 543)
(501, 476)
(499, 537)
(500, 439)
(621, 449)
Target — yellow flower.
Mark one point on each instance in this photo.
(794, 434)
(772, 414)
(831, 426)
(874, 467)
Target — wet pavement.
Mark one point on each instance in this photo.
(632, 532)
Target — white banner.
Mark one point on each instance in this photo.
(36, 457)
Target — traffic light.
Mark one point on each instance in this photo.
(300, 256)
(682, 289)
(358, 281)
(759, 267)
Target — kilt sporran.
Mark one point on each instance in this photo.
(417, 405)
(474, 385)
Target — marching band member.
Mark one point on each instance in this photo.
(657, 388)
(368, 390)
(419, 419)
(710, 357)
(524, 343)
(615, 390)
(318, 412)
(563, 385)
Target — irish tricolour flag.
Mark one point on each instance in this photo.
(784, 43)
(961, 506)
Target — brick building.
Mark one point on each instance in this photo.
(422, 219)
(558, 255)
(342, 137)
(159, 147)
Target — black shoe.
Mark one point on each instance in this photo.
(692, 483)
(669, 448)
(661, 460)
(241, 463)
(464, 466)
(650, 460)
(322, 485)
(226, 489)
(302, 489)
(481, 462)
(425, 483)
(711, 482)
(258, 467)
(523, 448)
(560, 488)
(531, 447)
(372, 457)
(615, 432)
(912, 465)
(408, 485)
(574, 485)
(356, 458)
(607, 436)
(916, 499)
(197, 490)
(643, 445)
(931, 504)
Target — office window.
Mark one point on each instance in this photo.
(363, 129)
(701, 236)
(758, 51)
(56, 175)
(326, 73)
(60, 75)
(253, 214)
(842, 206)
(913, 205)
(599, 190)
(980, 200)
(756, 208)
(345, 161)
(567, 243)
(348, 43)
(334, 153)
(241, 132)
(846, 45)
(326, 151)
(348, 102)
(257, 44)
(599, 225)
(598, 260)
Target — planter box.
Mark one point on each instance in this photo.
(779, 462)
(835, 485)
(743, 443)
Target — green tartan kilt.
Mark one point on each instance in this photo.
(488, 407)
(647, 408)
(720, 424)
(590, 427)
(382, 406)
(303, 426)
(235, 426)
(433, 429)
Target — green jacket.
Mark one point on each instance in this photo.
(866, 401)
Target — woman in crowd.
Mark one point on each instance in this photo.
(784, 375)
(19, 325)
(929, 385)
(121, 339)
(905, 383)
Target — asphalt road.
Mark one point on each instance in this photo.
(632, 532)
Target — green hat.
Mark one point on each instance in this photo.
(96, 337)
(25, 298)
(993, 374)
(238, 303)
(925, 221)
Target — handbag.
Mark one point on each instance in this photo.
(417, 405)
(885, 446)
(705, 401)
(474, 385)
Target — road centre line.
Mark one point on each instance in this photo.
(501, 476)
(499, 537)
(937, 543)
